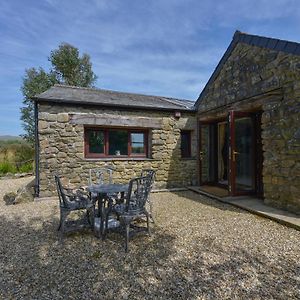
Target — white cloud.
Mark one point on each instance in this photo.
(156, 47)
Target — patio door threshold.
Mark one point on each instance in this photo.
(199, 190)
(204, 190)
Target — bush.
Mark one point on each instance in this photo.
(24, 152)
(7, 167)
(16, 157)
(26, 168)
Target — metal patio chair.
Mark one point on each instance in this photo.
(149, 204)
(102, 175)
(134, 207)
(73, 201)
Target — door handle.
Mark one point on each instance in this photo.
(234, 153)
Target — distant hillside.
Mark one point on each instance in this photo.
(10, 138)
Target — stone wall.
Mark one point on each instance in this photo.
(252, 71)
(281, 145)
(61, 141)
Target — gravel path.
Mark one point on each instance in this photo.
(200, 249)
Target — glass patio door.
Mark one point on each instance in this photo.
(242, 150)
(222, 148)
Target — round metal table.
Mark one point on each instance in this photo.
(101, 192)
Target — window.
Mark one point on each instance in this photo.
(96, 141)
(185, 144)
(117, 142)
(104, 142)
(137, 142)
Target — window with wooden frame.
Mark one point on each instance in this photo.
(115, 142)
(186, 144)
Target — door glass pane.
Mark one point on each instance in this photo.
(118, 142)
(137, 143)
(244, 153)
(223, 139)
(96, 141)
(204, 153)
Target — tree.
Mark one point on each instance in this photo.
(71, 69)
(67, 67)
(34, 82)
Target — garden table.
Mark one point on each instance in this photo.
(101, 192)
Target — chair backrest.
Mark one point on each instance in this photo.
(101, 175)
(138, 191)
(62, 195)
(149, 172)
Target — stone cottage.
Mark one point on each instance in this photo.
(242, 135)
(83, 128)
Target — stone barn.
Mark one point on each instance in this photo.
(241, 136)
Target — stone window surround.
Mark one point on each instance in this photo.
(105, 155)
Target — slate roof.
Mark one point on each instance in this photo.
(253, 40)
(91, 96)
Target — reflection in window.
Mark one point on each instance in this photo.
(96, 141)
(118, 142)
(137, 143)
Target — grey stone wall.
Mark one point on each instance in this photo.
(252, 71)
(61, 143)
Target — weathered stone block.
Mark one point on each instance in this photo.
(63, 117)
(43, 125)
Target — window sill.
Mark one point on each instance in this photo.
(120, 159)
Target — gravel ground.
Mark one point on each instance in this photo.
(199, 249)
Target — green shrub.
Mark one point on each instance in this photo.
(24, 152)
(16, 152)
(26, 168)
(7, 167)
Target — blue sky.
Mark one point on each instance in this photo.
(158, 47)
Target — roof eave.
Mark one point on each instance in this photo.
(218, 67)
(127, 107)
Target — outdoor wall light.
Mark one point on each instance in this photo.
(177, 114)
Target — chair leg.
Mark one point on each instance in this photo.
(88, 216)
(106, 226)
(90, 212)
(127, 237)
(63, 217)
(60, 221)
(148, 224)
(151, 211)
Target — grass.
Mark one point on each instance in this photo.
(16, 156)
(7, 167)
(26, 168)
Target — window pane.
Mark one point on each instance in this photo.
(137, 143)
(137, 137)
(185, 144)
(96, 141)
(118, 142)
(137, 148)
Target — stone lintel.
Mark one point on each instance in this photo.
(109, 120)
